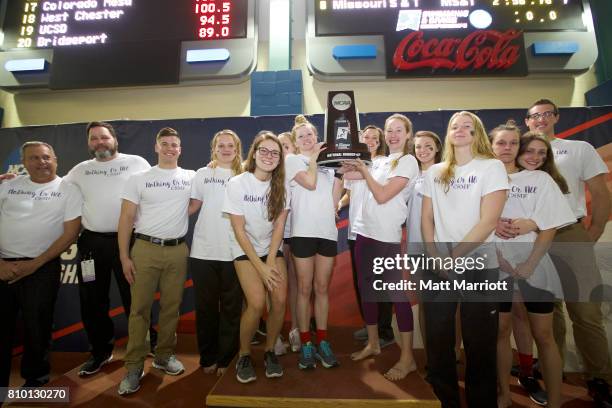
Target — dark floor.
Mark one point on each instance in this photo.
(348, 385)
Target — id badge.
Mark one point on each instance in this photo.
(88, 270)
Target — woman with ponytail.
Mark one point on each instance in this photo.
(314, 236)
(379, 233)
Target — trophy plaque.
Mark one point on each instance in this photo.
(342, 131)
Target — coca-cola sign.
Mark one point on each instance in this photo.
(455, 53)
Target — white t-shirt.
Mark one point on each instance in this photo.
(246, 195)
(413, 223)
(32, 215)
(457, 211)
(383, 222)
(577, 161)
(313, 213)
(358, 189)
(534, 195)
(212, 230)
(101, 185)
(162, 196)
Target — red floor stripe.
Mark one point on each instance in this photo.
(584, 126)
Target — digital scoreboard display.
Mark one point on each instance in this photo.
(35, 24)
(345, 17)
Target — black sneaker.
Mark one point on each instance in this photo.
(273, 367)
(245, 372)
(537, 374)
(599, 390)
(261, 330)
(35, 382)
(532, 386)
(94, 364)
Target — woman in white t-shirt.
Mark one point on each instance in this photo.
(218, 296)
(256, 202)
(374, 138)
(538, 196)
(379, 235)
(463, 197)
(314, 236)
(289, 147)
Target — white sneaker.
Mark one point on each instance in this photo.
(294, 340)
(280, 348)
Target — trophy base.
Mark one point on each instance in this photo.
(335, 159)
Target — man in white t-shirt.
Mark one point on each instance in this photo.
(155, 204)
(580, 165)
(39, 219)
(101, 181)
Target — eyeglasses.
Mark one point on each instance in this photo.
(538, 116)
(275, 154)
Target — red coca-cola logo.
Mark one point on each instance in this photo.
(488, 49)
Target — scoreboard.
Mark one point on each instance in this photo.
(63, 33)
(555, 35)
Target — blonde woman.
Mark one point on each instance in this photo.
(217, 292)
(463, 197)
(314, 236)
(379, 233)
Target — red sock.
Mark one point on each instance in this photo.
(321, 335)
(305, 337)
(526, 364)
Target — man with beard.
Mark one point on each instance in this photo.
(39, 219)
(101, 181)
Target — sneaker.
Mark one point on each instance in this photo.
(255, 340)
(131, 383)
(532, 386)
(307, 356)
(280, 348)
(273, 366)
(326, 356)
(599, 390)
(36, 382)
(361, 334)
(94, 364)
(294, 340)
(245, 372)
(261, 330)
(170, 365)
(537, 374)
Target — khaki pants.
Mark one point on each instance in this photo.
(587, 320)
(155, 265)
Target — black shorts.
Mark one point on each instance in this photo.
(536, 300)
(302, 247)
(279, 254)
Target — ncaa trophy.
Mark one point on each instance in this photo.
(342, 131)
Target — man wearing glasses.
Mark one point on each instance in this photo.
(155, 204)
(580, 165)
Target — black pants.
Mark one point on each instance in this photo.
(94, 295)
(479, 325)
(218, 306)
(385, 309)
(35, 297)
